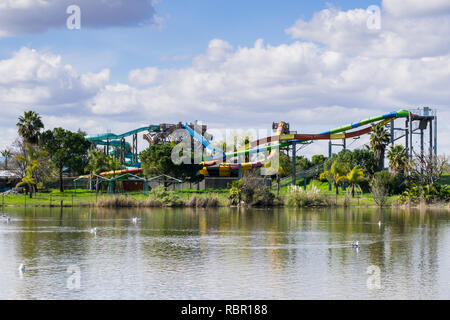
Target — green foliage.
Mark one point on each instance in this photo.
(251, 191)
(29, 177)
(353, 179)
(302, 163)
(285, 165)
(6, 154)
(379, 139)
(29, 126)
(67, 150)
(382, 185)
(398, 160)
(317, 159)
(428, 193)
(312, 197)
(157, 160)
(165, 197)
(337, 170)
(98, 162)
(363, 158)
(26, 155)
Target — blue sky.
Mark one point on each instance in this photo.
(233, 64)
(187, 28)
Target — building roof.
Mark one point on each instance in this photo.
(8, 174)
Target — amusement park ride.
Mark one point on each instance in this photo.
(416, 123)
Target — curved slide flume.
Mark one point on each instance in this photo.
(225, 169)
(114, 140)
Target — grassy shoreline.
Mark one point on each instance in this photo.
(189, 198)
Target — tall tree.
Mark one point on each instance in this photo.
(6, 154)
(336, 171)
(353, 178)
(317, 159)
(398, 160)
(157, 160)
(68, 150)
(29, 126)
(98, 162)
(379, 139)
(29, 179)
(25, 154)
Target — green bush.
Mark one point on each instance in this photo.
(430, 194)
(381, 186)
(297, 197)
(251, 191)
(165, 197)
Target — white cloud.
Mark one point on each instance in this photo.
(401, 8)
(315, 86)
(347, 31)
(36, 16)
(40, 81)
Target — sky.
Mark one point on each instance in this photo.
(231, 64)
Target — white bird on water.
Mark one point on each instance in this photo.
(22, 268)
(379, 223)
(94, 230)
(134, 220)
(355, 244)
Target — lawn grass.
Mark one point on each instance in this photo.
(54, 198)
(84, 197)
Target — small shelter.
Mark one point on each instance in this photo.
(91, 182)
(127, 182)
(166, 180)
(8, 180)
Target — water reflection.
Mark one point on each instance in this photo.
(225, 254)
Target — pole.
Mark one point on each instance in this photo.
(392, 132)
(294, 165)
(330, 147)
(421, 149)
(407, 135)
(411, 139)
(431, 138)
(435, 133)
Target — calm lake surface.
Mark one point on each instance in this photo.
(224, 254)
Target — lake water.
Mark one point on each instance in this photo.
(224, 254)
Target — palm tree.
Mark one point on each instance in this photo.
(28, 158)
(379, 139)
(336, 171)
(7, 155)
(353, 178)
(113, 165)
(30, 125)
(97, 162)
(398, 159)
(29, 177)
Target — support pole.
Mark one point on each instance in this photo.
(421, 148)
(407, 135)
(435, 133)
(410, 138)
(330, 150)
(294, 165)
(392, 132)
(431, 138)
(134, 159)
